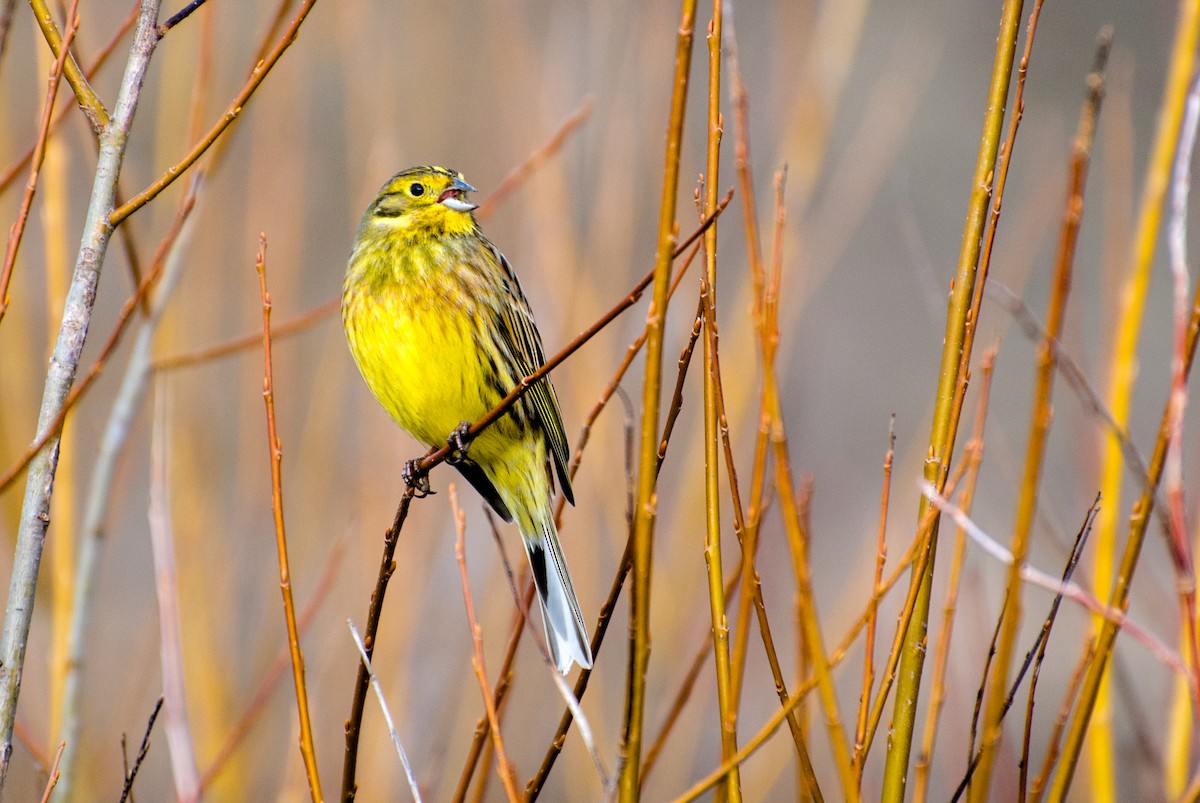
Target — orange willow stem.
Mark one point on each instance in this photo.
(645, 504)
(307, 750)
(955, 352)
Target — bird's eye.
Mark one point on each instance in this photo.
(416, 189)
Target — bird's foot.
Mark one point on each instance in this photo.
(415, 479)
(459, 440)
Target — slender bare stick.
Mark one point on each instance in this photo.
(52, 781)
(35, 512)
(1121, 356)
(645, 507)
(387, 714)
(307, 751)
(39, 153)
(232, 113)
(270, 678)
(1040, 416)
(955, 351)
(505, 769)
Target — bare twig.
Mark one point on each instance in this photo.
(505, 769)
(387, 715)
(39, 153)
(645, 507)
(52, 781)
(307, 750)
(143, 750)
(260, 71)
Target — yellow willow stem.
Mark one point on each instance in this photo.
(726, 697)
(945, 416)
(629, 784)
(1124, 364)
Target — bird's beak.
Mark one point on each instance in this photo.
(452, 196)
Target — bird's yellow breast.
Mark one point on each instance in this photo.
(417, 357)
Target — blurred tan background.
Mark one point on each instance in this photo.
(874, 108)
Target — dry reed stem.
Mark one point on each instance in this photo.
(143, 751)
(747, 536)
(794, 526)
(307, 749)
(39, 153)
(387, 714)
(646, 504)
(503, 683)
(956, 351)
(973, 459)
(1040, 415)
(1122, 371)
(684, 693)
(1062, 588)
(505, 769)
(1060, 722)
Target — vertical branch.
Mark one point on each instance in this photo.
(39, 152)
(1122, 372)
(1040, 417)
(864, 703)
(955, 351)
(505, 769)
(644, 510)
(726, 700)
(307, 750)
(1089, 689)
(35, 511)
(973, 458)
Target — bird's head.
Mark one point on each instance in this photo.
(423, 199)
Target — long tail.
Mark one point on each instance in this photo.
(566, 634)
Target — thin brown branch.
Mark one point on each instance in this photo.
(52, 781)
(14, 170)
(505, 769)
(307, 750)
(260, 71)
(39, 153)
(520, 174)
(362, 684)
(273, 674)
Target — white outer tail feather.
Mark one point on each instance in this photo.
(566, 634)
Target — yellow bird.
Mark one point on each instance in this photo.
(441, 332)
